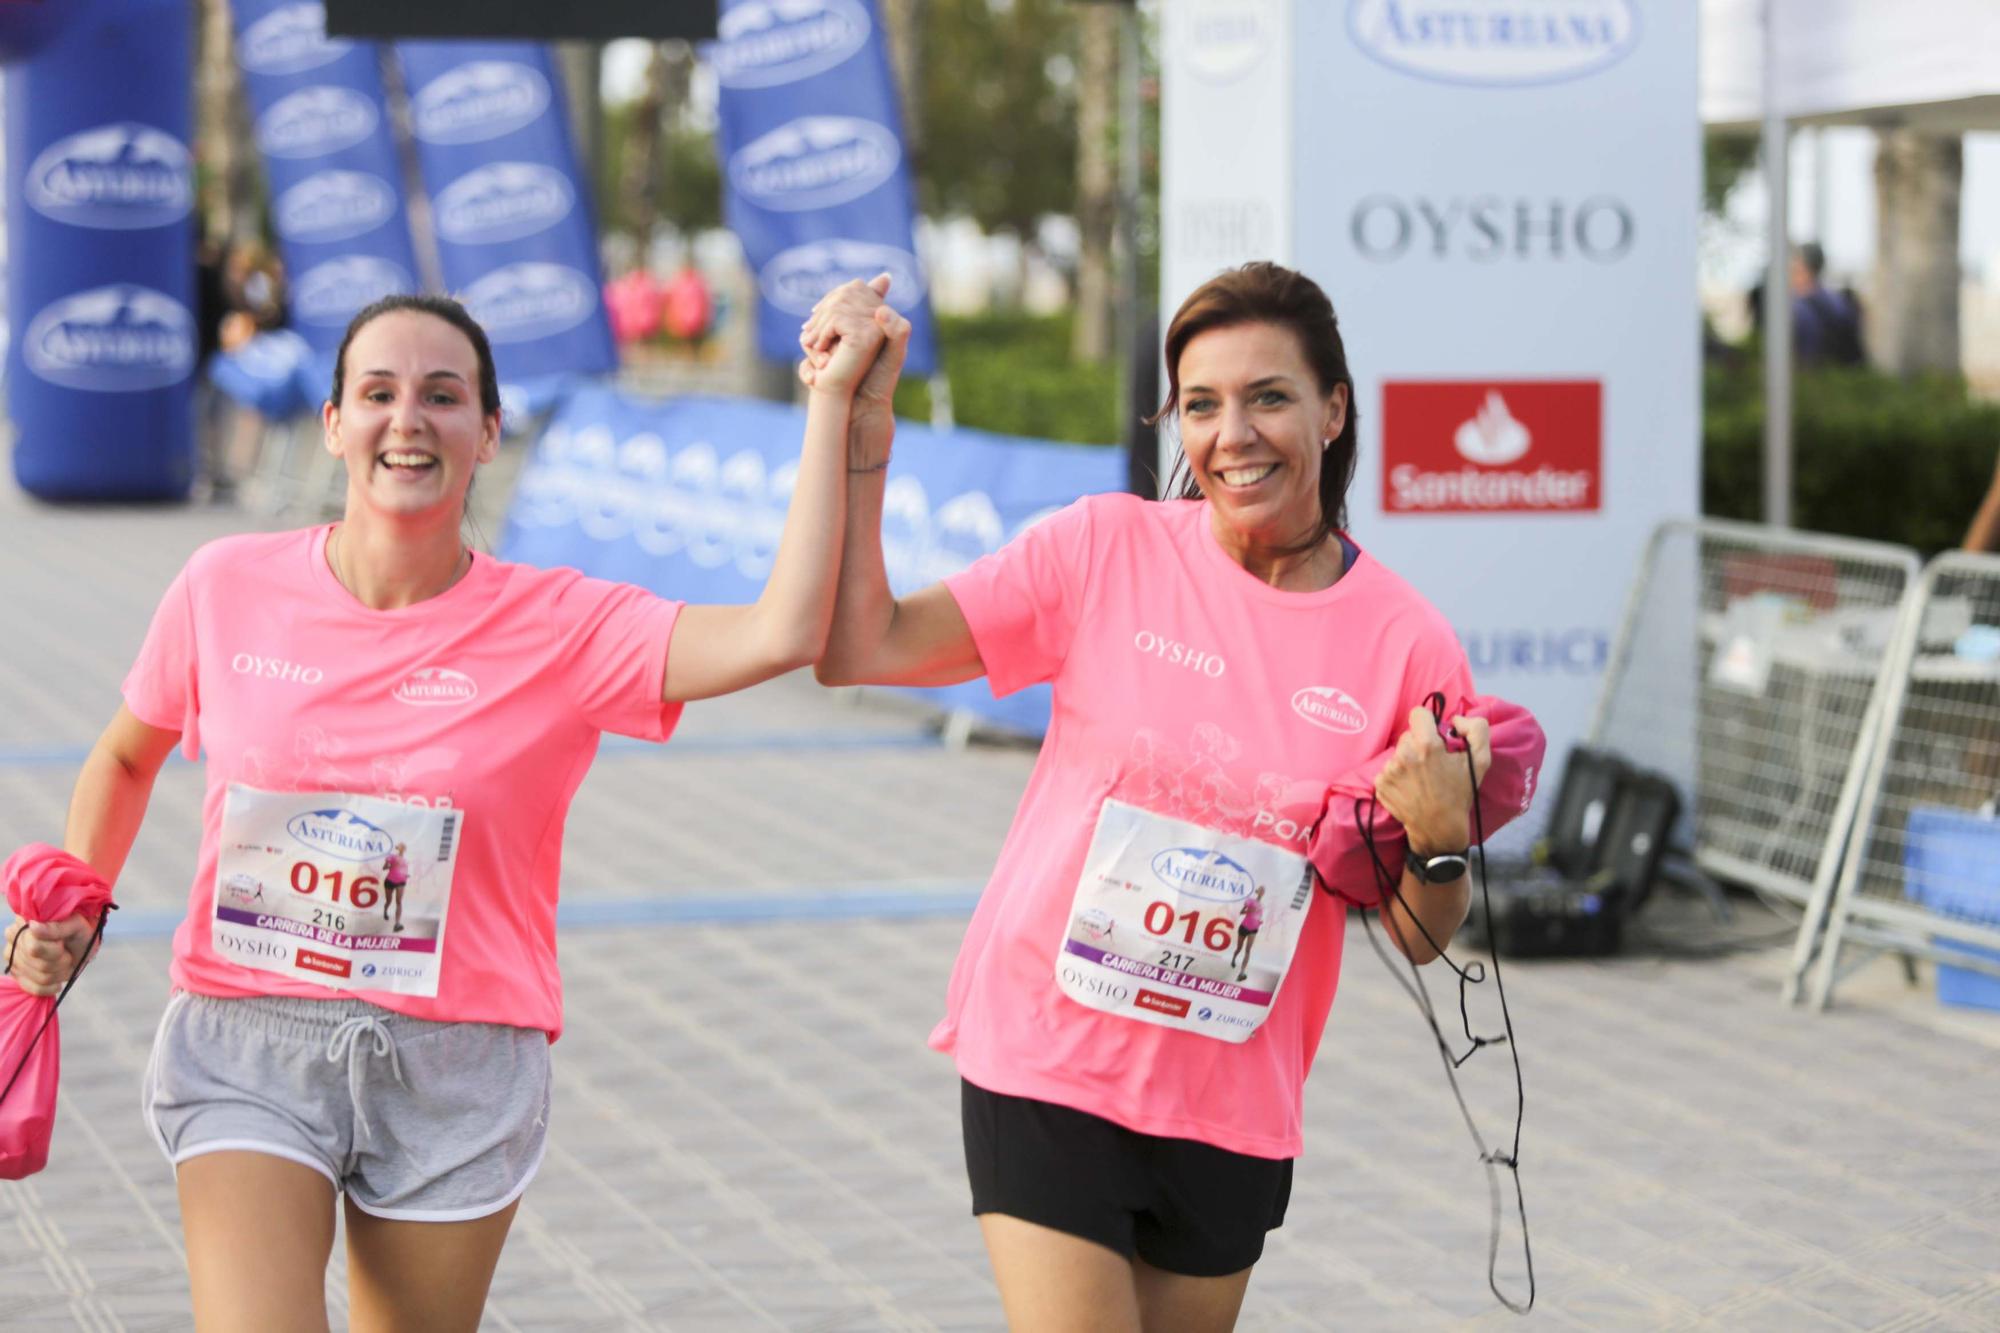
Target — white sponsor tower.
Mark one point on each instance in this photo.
(1501, 200)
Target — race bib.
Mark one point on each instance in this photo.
(1180, 925)
(345, 891)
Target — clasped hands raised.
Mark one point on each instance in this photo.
(853, 345)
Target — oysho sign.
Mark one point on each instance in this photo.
(1495, 44)
(119, 176)
(1492, 446)
(1488, 228)
(762, 43)
(114, 339)
(479, 100)
(815, 162)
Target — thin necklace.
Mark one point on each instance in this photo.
(333, 550)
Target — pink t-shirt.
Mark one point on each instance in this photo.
(1187, 687)
(395, 868)
(1253, 914)
(259, 657)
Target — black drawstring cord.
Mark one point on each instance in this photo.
(1471, 975)
(95, 937)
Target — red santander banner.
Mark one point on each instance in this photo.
(1492, 446)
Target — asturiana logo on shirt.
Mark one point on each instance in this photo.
(340, 833)
(1176, 653)
(1331, 708)
(1201, 873)
(436, 685)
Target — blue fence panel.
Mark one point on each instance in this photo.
(687, 497)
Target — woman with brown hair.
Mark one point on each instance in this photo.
(1223, 663)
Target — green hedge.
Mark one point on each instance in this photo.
(1872, 456)
(1011, 373)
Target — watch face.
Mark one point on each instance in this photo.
(1442, 868)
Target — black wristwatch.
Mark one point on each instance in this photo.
(1438, 867)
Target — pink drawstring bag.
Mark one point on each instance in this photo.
(1353, 818)
(43, 884)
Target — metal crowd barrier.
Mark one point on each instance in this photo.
(1922, 868)
(1751, 667)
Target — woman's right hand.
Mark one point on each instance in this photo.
(844, 334)
(46, 953)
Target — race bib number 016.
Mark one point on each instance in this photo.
(1181, 925)
(345, 891)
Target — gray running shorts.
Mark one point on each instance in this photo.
(418, 1121)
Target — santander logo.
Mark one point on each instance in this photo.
(434, 686)
(1491, 435)
(1492, 446)
(1331, 708)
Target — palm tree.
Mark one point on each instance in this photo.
(1096, 181)
(229, 168)
(1913, 307)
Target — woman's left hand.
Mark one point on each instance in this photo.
(844, 334)
(1425, 785)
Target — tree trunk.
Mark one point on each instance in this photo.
(228, 200)
(1096, 183)
(1912, 316)
(640, 171)
(899, 17)
(582, 71)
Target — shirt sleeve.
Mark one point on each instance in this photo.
(611, 648)
(161, 689)
(1436, 664)
(1025, 600)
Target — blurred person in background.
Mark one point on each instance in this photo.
(1826, 322)
(255, 282)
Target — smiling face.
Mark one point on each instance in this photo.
(1254, 422)
(409, 425)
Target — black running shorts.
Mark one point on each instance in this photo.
(1185, 1207)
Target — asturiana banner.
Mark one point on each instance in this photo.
(511, 214)
(322, 126)
(815, 181)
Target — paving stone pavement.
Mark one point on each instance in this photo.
(749, 1133)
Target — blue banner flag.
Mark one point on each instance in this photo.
(816, 185)
(100, 284)
(511, 214)
(323, 129)
(687, 497)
